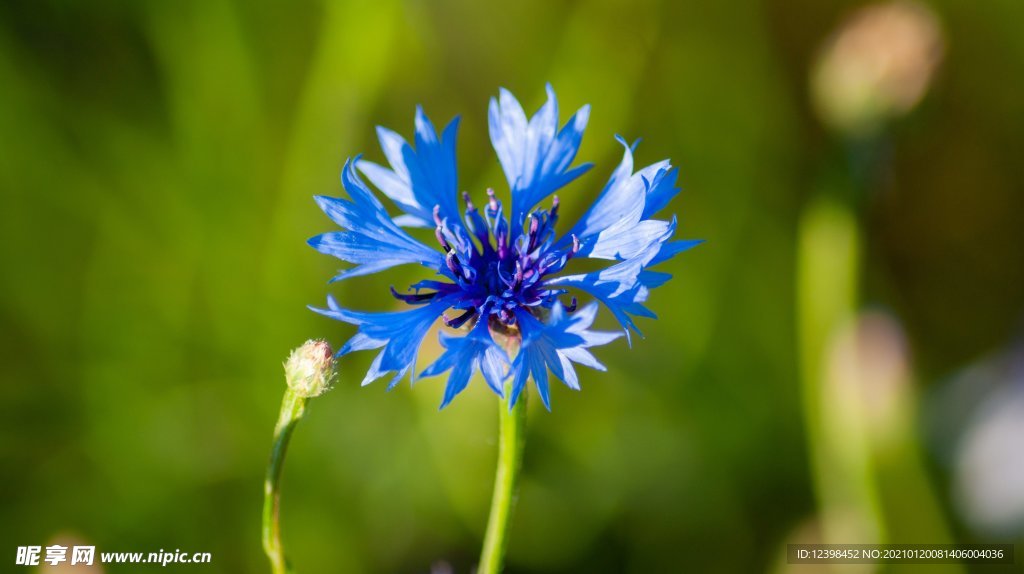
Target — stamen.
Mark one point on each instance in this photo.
(453, 263)
(506, 317)
(499, 227)
(437, 215)
(477, 225)
(501, 234)
(554, 207)
(439, 234)
(572, 305)
(492, 201)
(534, 227)
(575, 246)
(518, 280)
(549, 261)
(460, 320)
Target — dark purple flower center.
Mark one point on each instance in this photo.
(500, 273)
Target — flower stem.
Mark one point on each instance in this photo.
(511, 439)
(292, 408)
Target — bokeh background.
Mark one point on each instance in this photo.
(842, 360)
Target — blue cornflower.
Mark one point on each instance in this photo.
(499, 277)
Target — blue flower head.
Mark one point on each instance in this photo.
(498, 280)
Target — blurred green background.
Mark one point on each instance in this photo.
(157, 167)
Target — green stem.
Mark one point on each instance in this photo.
(511, 439)
(292, 408)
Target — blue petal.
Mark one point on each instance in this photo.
(474, 351)
(555, 346)
(625, 240)
(671, 249)
(531, 364)
(617, 225)
(421, 177)
(660, 191)
(624, 287)
(534, 154)
(372, 241)
(400, 333)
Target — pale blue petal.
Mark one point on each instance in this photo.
(420, 177)
(673, 248)
(660, 191)
(371, 240)
(534, 154)
(624, 286)
(616, 226)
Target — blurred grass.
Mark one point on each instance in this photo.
(157, 163)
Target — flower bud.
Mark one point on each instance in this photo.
(310, 369)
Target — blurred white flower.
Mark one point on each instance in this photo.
(869, 365)
(876, 66)
(988, 478)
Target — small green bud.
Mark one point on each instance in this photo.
(311, 369)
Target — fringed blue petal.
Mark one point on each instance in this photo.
(534, 154)
(474, 351)
(624, 287)
(555, 346)
(421, 177)
(400, 333)
(371, 240)
(673, 248)
(617, 226)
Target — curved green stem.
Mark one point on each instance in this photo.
(512, 427)
(292, 408)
